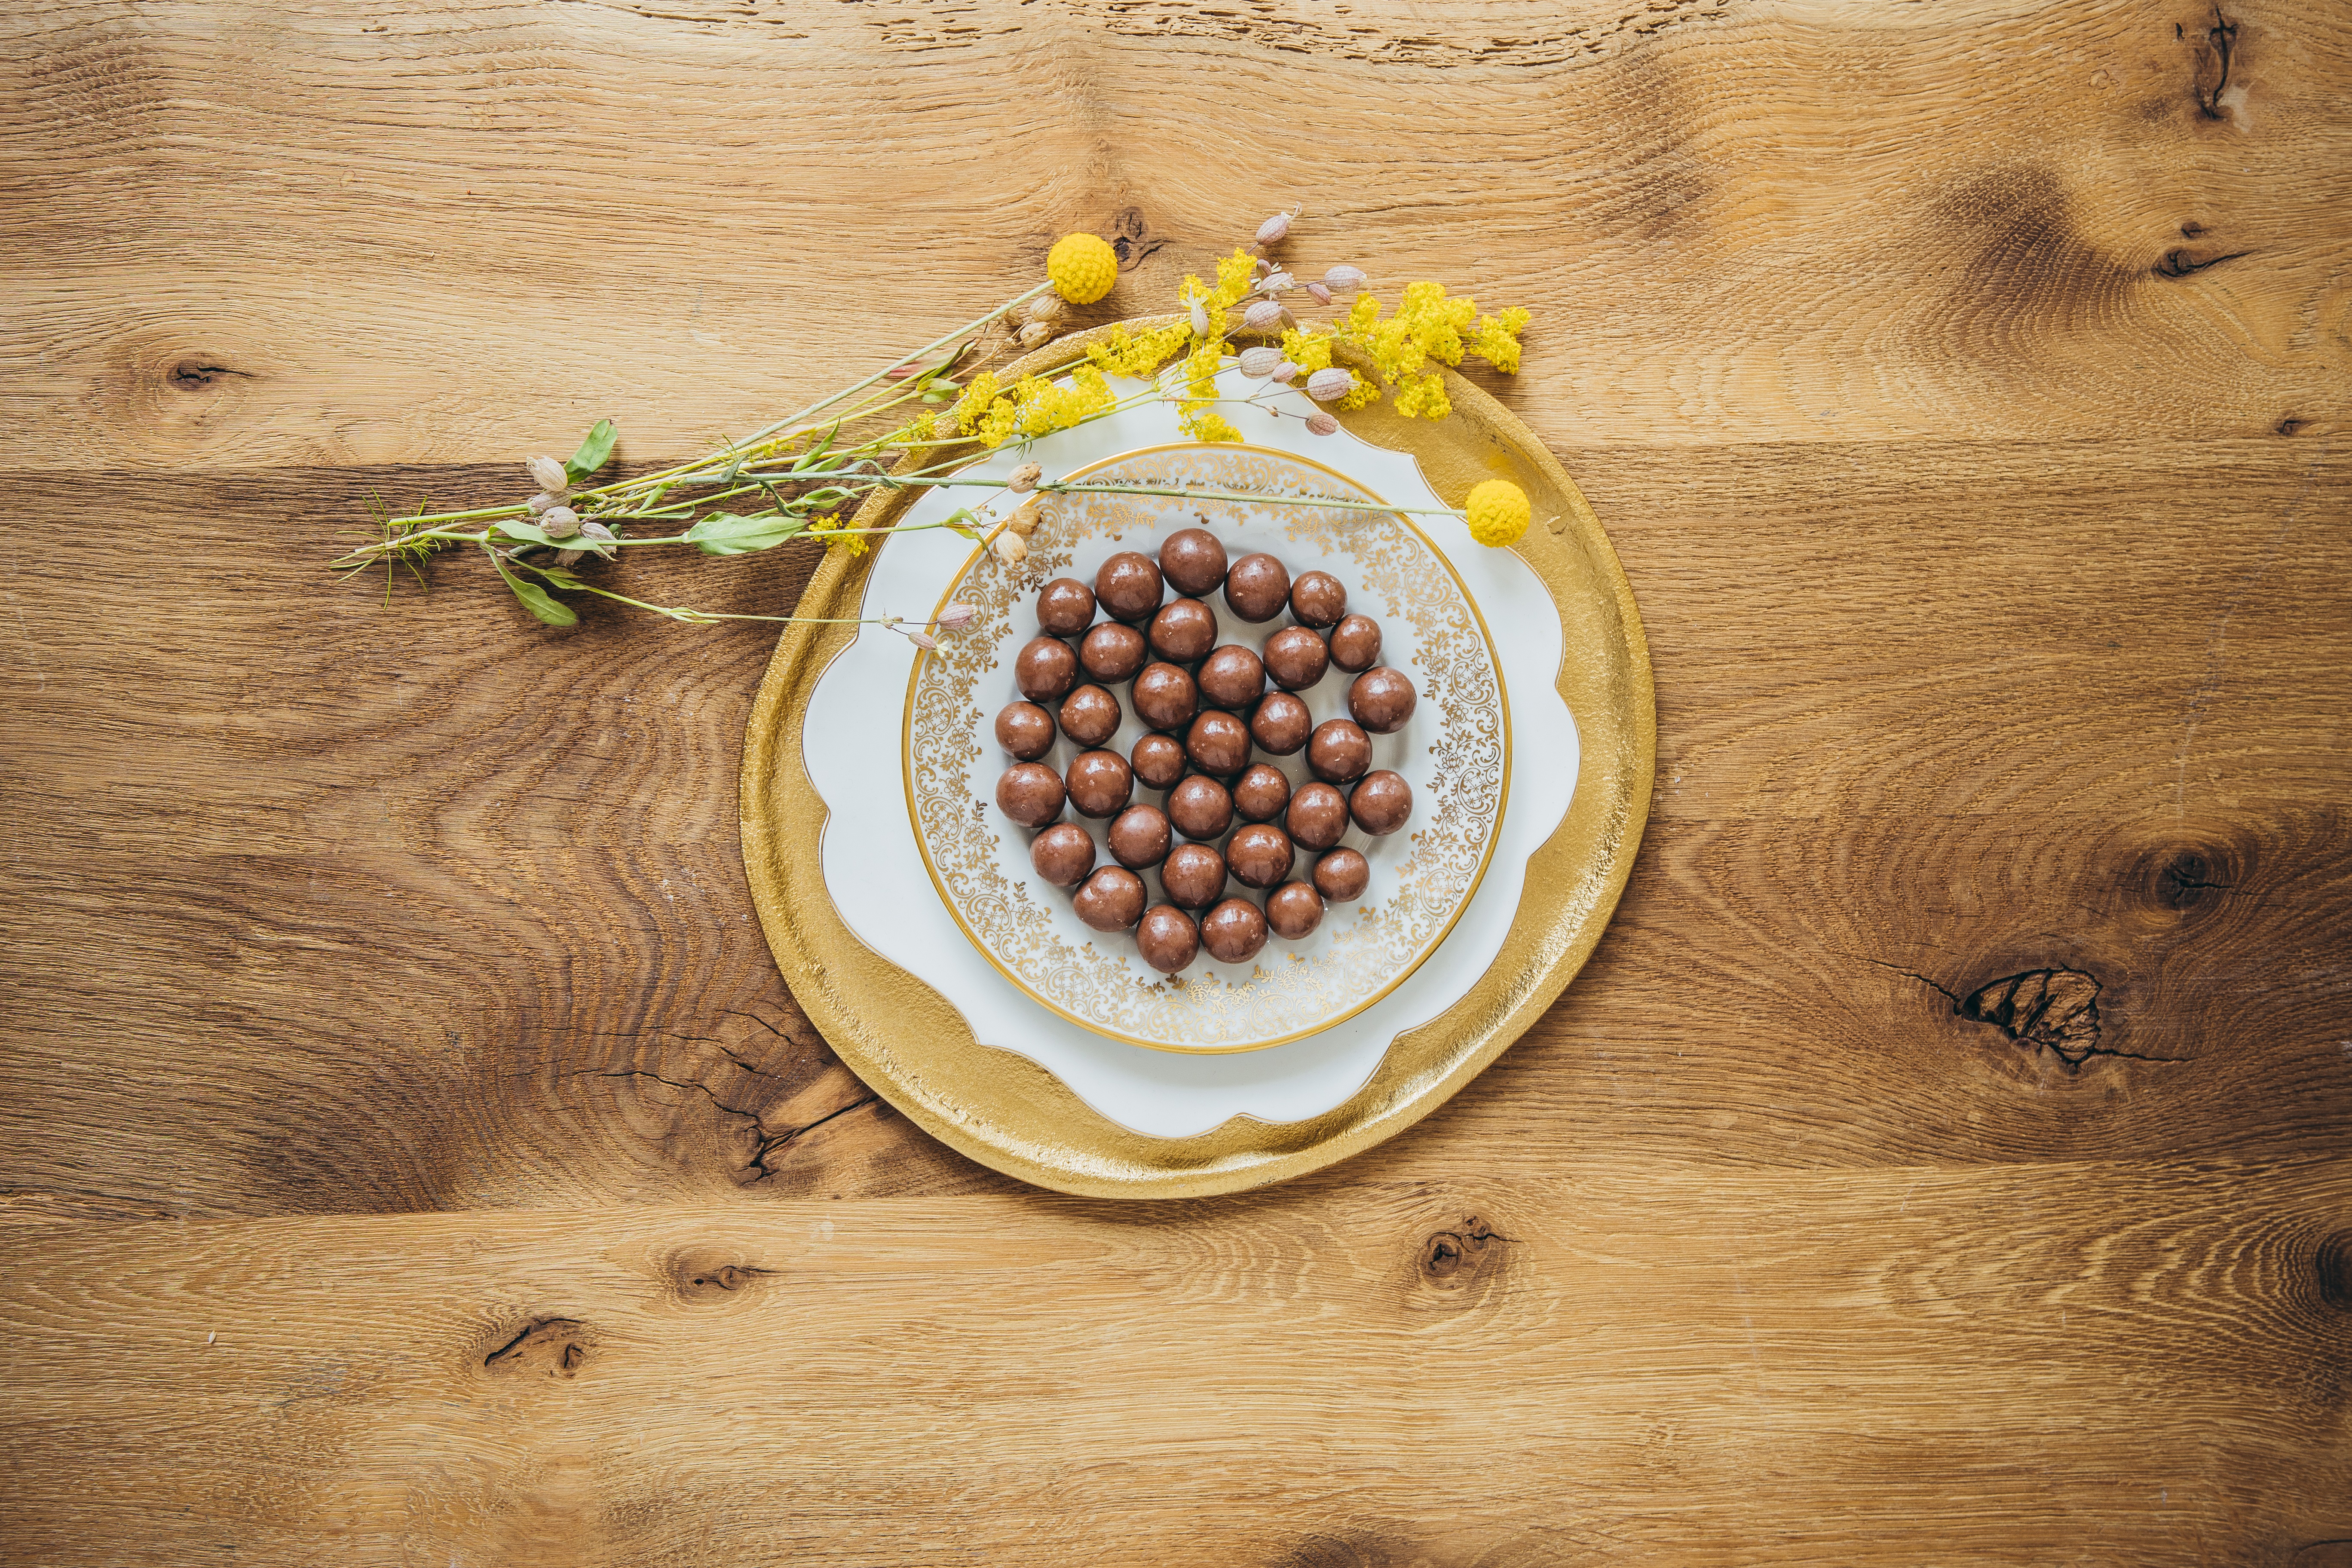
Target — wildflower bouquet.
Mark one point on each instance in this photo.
(915, 424)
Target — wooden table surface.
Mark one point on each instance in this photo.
(411, 1155)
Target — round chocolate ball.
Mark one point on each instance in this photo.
(1218, 744)
(1340, 876)
(1381, 802)
(1063, 854)
(1127, 587)
(1167, 938)
(1318, 599)
(1356, 644)
(1234, 931)
(1100, 783)
(1066, 608)
(1025, 729)
(1338, 750)
(1166, 696)
(1296, 658)
(1257, 588)
(1381, 700)
(1259, 855)
(1045, 670)
(1261, 793)
(1111, 900)
(1183, 630)
(1194, 876)
(1138, 836)
(1293, 910)
(1159, 761)
(1233, 678)
(1195, 561)
(1112, 652)
(1318, 815)
(1201, 807)
(1091, 715)
(1281, 723)
(1031, 794)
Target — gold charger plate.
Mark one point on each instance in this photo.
(910, 1047)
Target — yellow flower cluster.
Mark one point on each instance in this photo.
(1427, 326)
(1124, 353)
(1035, 407)
(828, 529)
(1236, 274)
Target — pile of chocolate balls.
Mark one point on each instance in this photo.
(1208, 707)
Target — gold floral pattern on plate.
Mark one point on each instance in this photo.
(1460, 779)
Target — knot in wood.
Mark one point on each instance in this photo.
(1460, 1258)
(551, 1347)
(708, 1282)
(2333, 1265)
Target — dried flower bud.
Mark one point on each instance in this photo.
(920, 639)
(957, 618)
(1011, 547)
(1046, 308)
(1261, 362)
(1345, 277)
(1035, 334)
(1271, 230)
(1024, 478)
(1275, 282)
(1322, 423)
(1262, 317)
(569, 557)
(559, 522)
(1285, 371)
(1024, 519)
(1200, 320)
(1319, 293)
(1328, 385)
(591, 529)
(545, 498)
(547, 474)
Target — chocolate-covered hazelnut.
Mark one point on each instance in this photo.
(1127, 587)
(1112, 652)
(1138, 836)
(1218, 744)
(1338, 750)
(1201, 807)
(1063, 854)
(1045, 670)
(1166, 696)
(1296, 657)
(1281, 723)
(1185, 630)
(1261, 793)
(1257, 588)
(1091, 715)
(1356, 644)
(1233, 678)
(1259, 855)
(1381, 700)
(1159, 761)
(1066, 608)
(1293, 910)
(1100, 783)
(1194, 876)
(1167, 938)
(1234, 931)
(1342, 875)
(1317, 817)
(1111, 900)
(1031, 794)
(1318, 599)
(1025, 729)
(1381, 802)
(1194, 561)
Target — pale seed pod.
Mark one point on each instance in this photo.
(957, 618)
(1345, 277)
(1026, 518)
(1330, 383)
(1264, 316)
(1044, 307)
(1285, 371)
(547, 474)
(545, 498)
(559, 522)
(1275, 282)
(1322, 423)
(920, 639)
(569, 557)
(1273, 229)
(591, 529)
(1261, 362)
(1024, 478)
(1011, 547)
(1319, 293)
(1035, 334)
(1200, 320)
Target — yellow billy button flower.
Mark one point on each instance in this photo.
(1082, 268)
(1499, 512)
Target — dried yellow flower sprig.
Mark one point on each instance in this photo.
(801, 476)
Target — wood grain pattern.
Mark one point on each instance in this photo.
(1941, 1159)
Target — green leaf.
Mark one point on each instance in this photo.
(730, 535)
(593, 452)
(528, 532)
(536, 599)
(963, 521)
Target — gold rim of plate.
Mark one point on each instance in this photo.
(1428, 950)
(905, 1040)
